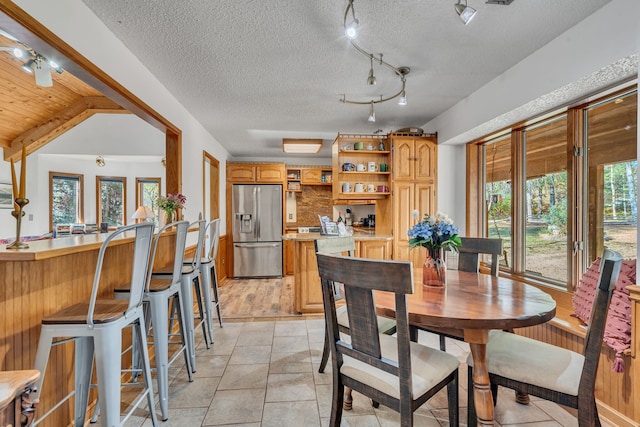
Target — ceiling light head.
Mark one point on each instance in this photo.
(28, 66)
(372, 114)
(351, 31)
(301, 146)
(371, 79)
(100, 161)
(403, 99)
(466, 13)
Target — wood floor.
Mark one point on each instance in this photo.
(259, 299)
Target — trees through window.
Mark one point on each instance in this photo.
(65, 198)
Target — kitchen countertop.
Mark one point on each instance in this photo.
(357, 236)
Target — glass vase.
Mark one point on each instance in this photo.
(434, 270)
(168, 217)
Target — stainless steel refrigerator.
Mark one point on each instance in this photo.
(257, 230)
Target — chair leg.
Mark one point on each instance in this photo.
(453, 399)
(84, 352)
(201, 310)
(205, 273)
(494, 393)
(337, 401)
(42, 359)
(146, 366)
(159, 306)
(108, 348)
(325, 352)
(186, 305)
(183, 335)
(413, 333)
(214, 282)
(348, 399)
(472, 418)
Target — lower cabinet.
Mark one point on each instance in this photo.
(289, 260)
(308, 292)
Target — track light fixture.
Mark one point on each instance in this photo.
(351, 29)
(401, 72)
(465, 12)
(35, 63)
(100, 161)
(403, 99)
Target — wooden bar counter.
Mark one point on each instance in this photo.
(307, 290)
(50, 275)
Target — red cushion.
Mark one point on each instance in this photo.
(617, 333)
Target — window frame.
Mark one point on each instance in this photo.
(123, 180)
(144, 180)
(74, 176)
(577, 223)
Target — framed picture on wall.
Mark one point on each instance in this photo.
(6, 196)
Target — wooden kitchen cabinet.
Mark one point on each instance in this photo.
(316, 176)
(414, 189)
(256, 172)
(374, 249)
(289, 260)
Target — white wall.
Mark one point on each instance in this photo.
(72, 21)
(451, 183)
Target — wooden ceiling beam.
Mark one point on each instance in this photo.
(43, 133)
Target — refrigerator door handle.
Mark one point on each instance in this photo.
(256, 245)
(257, 207)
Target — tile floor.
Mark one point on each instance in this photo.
(265, 374)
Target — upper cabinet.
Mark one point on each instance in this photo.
(361, 167)
(256, 172)
(415, 158)
(316, 176)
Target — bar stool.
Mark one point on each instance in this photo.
(96, 329)
(159, 293)
(190, 281)
(208, 274)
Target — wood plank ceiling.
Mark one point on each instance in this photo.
(36, 115)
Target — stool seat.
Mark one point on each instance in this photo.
(168, 271)
(106, 311)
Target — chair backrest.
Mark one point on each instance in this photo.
(214, 238)
(360, 278)
(471, 247)
(140, 265)
(180, 241)
(197, 256)
(609, 272)
(336, 245)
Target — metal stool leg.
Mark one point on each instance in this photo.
(186, 305)
(206, 295)
(214, 281)
(84, 353)
(108, 348)
(159, 306)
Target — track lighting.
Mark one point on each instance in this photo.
(100, 161)
(35, 63)
(351, 29)
(372, 114)
(28, 66)
(371, 80)
(403, 99)
(466, 13)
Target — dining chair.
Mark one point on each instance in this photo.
(469, 260)
(394, 371)
(337, 246)
(96, 326)
(550, 372)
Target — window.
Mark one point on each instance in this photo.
(560, 189)
(65, 198)
(111, 196)
(147, 193)
(612, 168)
(545, 198)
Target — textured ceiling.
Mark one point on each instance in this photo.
(254, 72)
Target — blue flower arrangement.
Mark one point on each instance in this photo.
(434, 232)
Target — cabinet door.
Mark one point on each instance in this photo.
(375, 249)
(403, 196)
(270, 173)
(426, 159)
(403, 158)
(308, 291)
(311, 176)
(237, 172)
(288, 257)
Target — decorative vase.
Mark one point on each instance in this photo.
(434, 271)
(168, 217)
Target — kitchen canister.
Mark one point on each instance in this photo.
(358, 145)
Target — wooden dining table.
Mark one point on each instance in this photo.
(469, 306)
